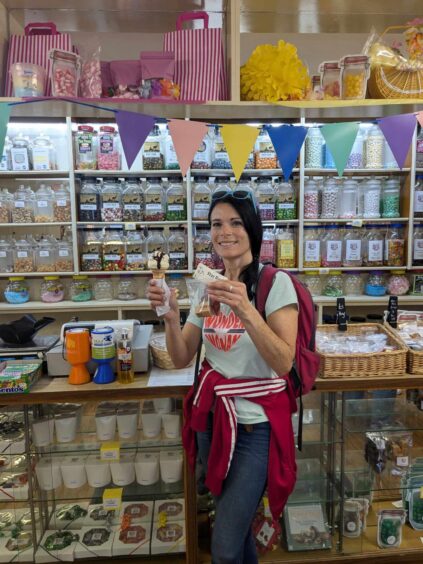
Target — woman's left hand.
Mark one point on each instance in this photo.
(232, 293)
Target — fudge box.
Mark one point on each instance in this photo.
(57, 546)
(173, 509)
(95, 541)
(168, 538)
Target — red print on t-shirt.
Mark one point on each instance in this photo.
(223, 331)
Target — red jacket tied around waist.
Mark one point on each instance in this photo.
(218, 391)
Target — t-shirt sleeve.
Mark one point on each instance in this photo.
(282, 293)
(194, 319)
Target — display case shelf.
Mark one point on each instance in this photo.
(68, 305)
(122, 224)
(37, 224)
(35, 274)
(143, 173)
(34, 174)
(358, 171)
(354, 221)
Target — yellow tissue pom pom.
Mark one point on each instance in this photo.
(273, 73)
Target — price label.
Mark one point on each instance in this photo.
(110, 450)
(402, 460)
(421, 492)
(130, 226)
(357, 223)
(112, 498)
(324, 270)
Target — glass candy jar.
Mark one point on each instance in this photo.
(314, 148)
(331, 247)
(23, 205)
(16, 291)
(92, 251)
(20, 153)
(394, 245)
(286, 200)
(418, 245)
(312, 248)
(220, 153)
(6, 205)
(154, 198)
(177, 248)
(113, 251)
(203, 157)
(45, 255)
(353, 283)
(89, 202)
(264, 152)
(348, 199)
(313, 281)
(132, 201)
(398, 283)
(333, 284)
(372, 196)
(85, 148)
(266, 198)
(375, 284)
(64, 256)
(286, 248)
(80, 289)
(418, 196)
(127, 288)
(176, 200)
(373, 245)
(103, 288)
(6, 256)
(177, 281)
(311, 199)
(52, 290)
(155, 241)
(203, 248)
(330, 199)
(391, 198)
(111, 202)
(355, 160)
(169, 153)
(23, 256)
(201, 198)
(354, 75)
(352, 247)
(374, 148)
(267, 250)
(44, 205)
(62, 205)
(152, 153)
(43, 153)
(135, 251)
(108, 148)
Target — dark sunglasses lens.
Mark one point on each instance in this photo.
(220, 194)
(241, 194)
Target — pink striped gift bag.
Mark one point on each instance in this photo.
(200, 66)
(33, 47)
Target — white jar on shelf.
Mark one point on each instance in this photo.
(375, 145)
(372, 194)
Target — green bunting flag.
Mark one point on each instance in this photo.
(340, 138)
(4, 120)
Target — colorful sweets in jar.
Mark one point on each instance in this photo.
(52, 290)
(16, 291)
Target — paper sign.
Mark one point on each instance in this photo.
(206, 274)
(129, 226)
(112, 498)
(421, 492)
(397, 504)
(110, 450)
(357, 223)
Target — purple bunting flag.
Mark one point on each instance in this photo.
(398, 132)
(287, 141)
(133, 129)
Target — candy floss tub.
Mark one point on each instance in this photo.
(28, 80)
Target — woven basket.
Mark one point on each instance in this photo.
(391, 82)
(414, 358)
(367, 365)
(161, 357)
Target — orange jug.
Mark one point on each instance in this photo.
(78, 352)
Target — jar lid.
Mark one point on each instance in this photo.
(51, 278)
(329, 65)
(16, 278)
(311, 272)
(201, 179)
(103, 276)
(355, 60)
(85, 128)
(398, 272)
(377, 272)
(353, 272)
(79, 277)
(399, 225)
(335, 272)
(107, 128)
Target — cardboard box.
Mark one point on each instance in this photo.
(97, 516)
(8, 546)
(138, 511)
(76, 511)
(56, 553)
(17, 376)
(171, 538)
(174, 509)
(95, 541)
(133, 540)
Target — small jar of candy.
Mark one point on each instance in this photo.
(80, 289)
(311, 199)
(333, 285)
(136, 258)
(108, 148)
(354, 75)
(111, 202)
(374, 148)
(178, 259)
(152, 153)
(348, 199)
(264, 153)
(65, 70)
(154, 200)
(314, 148)
(331, 247)
(312, 248)
(352, 249)
(373, 244)
(203, 248)
(391, 198)
(52, 290)
(127, 288)
(103, 288)
(267, 250)
(132, 200)
(16, 291)
(330, 80)
(286, 200)
(372, 194)
(169, 153)
(220, 156)
(89, 202)
(313, 281)
(62, 205)
(394, 245)
(113, 251)
(375, 285)
(330, 194)
(353, 283)
(86, 148)
(176, 200)
(201, 197)
(398, 283)
(389, 527)
(286, 248)
(355, 160)
(92, 251)
(266, 198)
(203, 157)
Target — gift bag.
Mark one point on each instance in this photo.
(34, 47)
(200, 67)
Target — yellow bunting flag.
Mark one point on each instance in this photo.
(239, 142)
(187, 137)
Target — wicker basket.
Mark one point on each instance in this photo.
(391, 82)
(367, 365)
(161, 357)
(414, 358)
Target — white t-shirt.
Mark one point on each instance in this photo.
(230, 350)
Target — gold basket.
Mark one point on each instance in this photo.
(366, 365)
(391, 82)
(161, 357)
(414, 358)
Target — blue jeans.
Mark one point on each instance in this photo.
(232, 539)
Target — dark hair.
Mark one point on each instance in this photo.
(252, 225)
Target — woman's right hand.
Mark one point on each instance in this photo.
(156, 295)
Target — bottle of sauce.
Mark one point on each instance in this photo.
(125, 364)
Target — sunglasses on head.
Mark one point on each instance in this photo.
(236, 194)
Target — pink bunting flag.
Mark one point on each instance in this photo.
(133, 130)
(398, 132)
(187, 137)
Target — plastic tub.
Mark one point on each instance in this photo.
(28, 80)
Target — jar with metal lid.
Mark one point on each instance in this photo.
(331, 247)
(352, 254)
(418, 197)
(89, 202)
(176, 200)
(333, 284)
(286, 200)
(398, 283)
(313, 281)
(312, 248)
(155, 200)
(46, 255)
(203, 248)
(266, 198)
(52, 290)
(23, 256)
(80, 289)
(286, 248)
(155, 241)
(103, 288)
(201, 198)
(20, 153)
(152, 152)
(170, 157)
(92, 251)
(23, 205)
(264, 152)
(394, 245)
(354, 74)
(353, 283)
(330, 80)
(391, 198)
(220, 154)
(177, 281)
(177, 248)
(416, 280)
(375, 284)
(62, 205)
(314, 144)
(43, 153)
(330, 195)
(373, 245)
(64, 256)
(135, 251)
(267, 249)
(355, 160)
(311, 199)
(44, 205)
(223, 184)
(16, 291)
(6, 255)
(108, 148)
(203, 157)
(86, 143)
(418, 245)
(6, 205)
(111, 201)
(374, 147)
(132, 200)
(127, 288)
(348, 199)
(372, 195)
(113, 251)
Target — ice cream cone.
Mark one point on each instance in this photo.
(158, 274)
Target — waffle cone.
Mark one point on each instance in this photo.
(158, 274)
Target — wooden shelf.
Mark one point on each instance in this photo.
(407, 381)
(367, 300)
(36, 224)
(363, 220)
(357, 171)
(122, 224)
(23, 174)
(69, 305)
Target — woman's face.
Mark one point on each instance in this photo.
(229, 237)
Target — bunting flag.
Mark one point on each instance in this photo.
(420, 118)
(398, 132)
(133, 130)
(340, 138)
(287, 141)
(239, 142)
(4, 120)
(187, 137)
